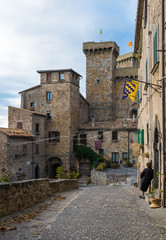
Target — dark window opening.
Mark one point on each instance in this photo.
(145, 13)
(114, 135)
(24, 148)
(133, 113)
(48, 77)
(100, 135)
(49, 115)
(19, 125)
(98, 81)
(101, 151)
(37, 128)
(36, 148)
(124, 156)
(48, 96)
(54, 136)
(83, 139)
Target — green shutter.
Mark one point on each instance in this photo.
(155, 46)
(142, 137)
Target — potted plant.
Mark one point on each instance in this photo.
(155, 202)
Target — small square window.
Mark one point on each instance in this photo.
(49, 115)
(32, 104)
(61, 76)
(101, 151)
(19, 125)
(54, 136)
(114, 135)
(100, 135)
(98, 81)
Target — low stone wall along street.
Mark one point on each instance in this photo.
(17, 196)
(103, 178)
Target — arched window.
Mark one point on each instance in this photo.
(133, 113)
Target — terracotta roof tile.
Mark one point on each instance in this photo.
(15, 132)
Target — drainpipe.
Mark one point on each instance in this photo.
(163, 99)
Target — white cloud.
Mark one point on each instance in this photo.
(48, 34)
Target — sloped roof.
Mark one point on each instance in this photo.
(118, 124)
(29, 89)
(15, 132)
(29, 111)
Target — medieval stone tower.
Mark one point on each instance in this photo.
(100, 64)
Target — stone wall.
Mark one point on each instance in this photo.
(18, 196)
(102, 178)
(3, 155)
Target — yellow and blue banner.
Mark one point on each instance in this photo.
(130, 89)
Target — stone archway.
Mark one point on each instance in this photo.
(53, 163)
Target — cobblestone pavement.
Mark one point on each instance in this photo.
(93, 213)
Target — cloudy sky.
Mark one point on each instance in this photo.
(48, 34)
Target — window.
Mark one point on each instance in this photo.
(61, 76)
(101, 151)
(124, 156)
(54, 136)
(24, 148)
(49, 77)
(49, 115)
(48, 96)
(19, 125)
(155, 46)
(145, 13)
(32, 104)
(37, 128)
(115, 157)
(133, 113)
(83, 139)
(100, 135)
(98, 81)
(36, 148)
(114, 135)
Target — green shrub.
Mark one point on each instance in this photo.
(108, 164)
(84, 152)
(59, 171)
(73, 175)
(101, 166)
(5, 179)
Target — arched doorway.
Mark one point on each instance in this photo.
(53, 163)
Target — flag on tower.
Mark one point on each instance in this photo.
(130, 89)
(101, 31)
(130, 44)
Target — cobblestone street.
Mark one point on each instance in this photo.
(95, 212)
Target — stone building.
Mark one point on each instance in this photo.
(149, 48)
(54, 111)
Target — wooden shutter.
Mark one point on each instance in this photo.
(19, 125)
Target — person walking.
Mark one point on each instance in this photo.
(146, 177)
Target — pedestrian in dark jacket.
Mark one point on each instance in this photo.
(146, 177)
